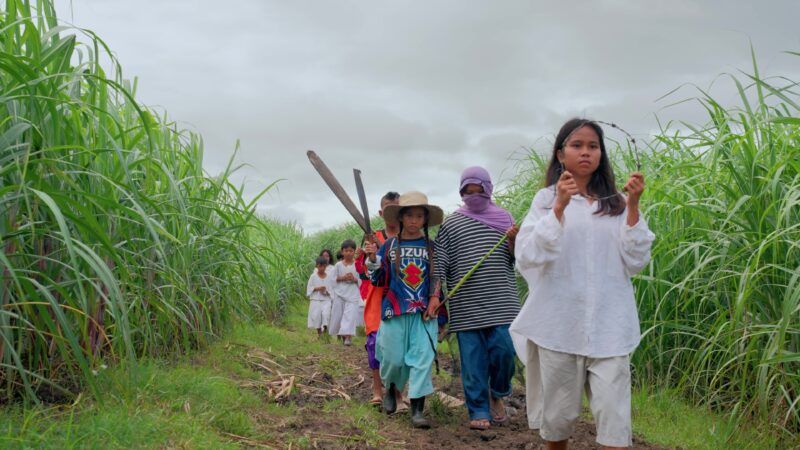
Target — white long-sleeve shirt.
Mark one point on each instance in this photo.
(346, 291)
(315, 281)
(578, 272)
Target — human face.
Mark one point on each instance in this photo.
(327, 255)
(348, 254)
(581, 152)
(413, 220)
(472, 188)
(321, 268)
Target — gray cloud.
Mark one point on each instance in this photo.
(413, 92)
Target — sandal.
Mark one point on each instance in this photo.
(480, 424)
(498, 418)
(376, 401)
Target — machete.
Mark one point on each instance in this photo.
(362, 197)
(337, 189)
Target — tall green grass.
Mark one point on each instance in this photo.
(115, 243)
(332, 238)
(720, 302)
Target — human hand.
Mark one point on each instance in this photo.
(512, 232)
(566, 187)
(433, 308)
(634, 187)
(370, 249)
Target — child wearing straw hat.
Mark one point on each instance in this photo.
(373, 296)
(406, 340)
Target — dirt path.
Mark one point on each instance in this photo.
(324, 404)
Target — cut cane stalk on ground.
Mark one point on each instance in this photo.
(220, 399)
(109, 222)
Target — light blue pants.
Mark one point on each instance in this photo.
(405, 348)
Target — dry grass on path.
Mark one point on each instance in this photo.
(321, 400)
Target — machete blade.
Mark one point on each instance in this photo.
(362, 197)
(337, 189)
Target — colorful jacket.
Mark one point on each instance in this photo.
(409, 285)
(373, 295)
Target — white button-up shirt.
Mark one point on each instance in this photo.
(578, 272)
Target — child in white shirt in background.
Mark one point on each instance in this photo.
(320, 291)
(347, 291)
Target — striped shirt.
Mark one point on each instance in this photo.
(489, 297)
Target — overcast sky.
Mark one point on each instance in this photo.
(413, 92)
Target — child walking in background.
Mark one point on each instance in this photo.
(578, 247)
(325, 253)
(319, 292)
(373, 295)
(406, 340)
(337, 306)
(347, 291)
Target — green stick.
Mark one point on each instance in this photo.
(466, 276)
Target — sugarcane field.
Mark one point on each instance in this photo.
(399, 225)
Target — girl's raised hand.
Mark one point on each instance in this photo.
(565, 189)
(634, 187)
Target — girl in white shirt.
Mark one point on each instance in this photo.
(577, 249)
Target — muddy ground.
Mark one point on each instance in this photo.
(326, 397)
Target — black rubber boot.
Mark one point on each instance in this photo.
(418, 413)
(390, 400)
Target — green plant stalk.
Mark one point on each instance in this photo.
(719, 303)
(452, 292)
(115, 244)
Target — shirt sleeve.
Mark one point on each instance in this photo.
(377, 270)
(634, 245)
(310, 286)
(361, 268)
(441, 258)
(330, 284)
(434, 283)
(539, 238)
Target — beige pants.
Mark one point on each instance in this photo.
(555, 382)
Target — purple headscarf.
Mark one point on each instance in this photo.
(480, 206)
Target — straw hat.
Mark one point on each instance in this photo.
(413, 198)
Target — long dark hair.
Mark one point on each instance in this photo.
(330, 255)
(602, 184)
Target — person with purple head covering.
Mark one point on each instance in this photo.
(487, 303)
